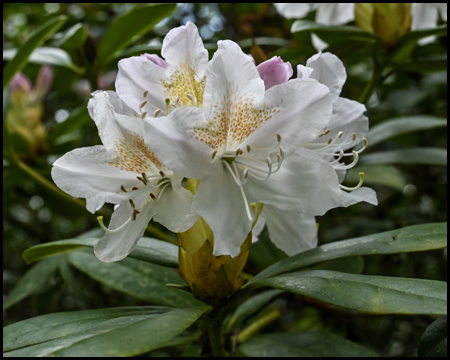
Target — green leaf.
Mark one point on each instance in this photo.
(125, 331)
(250, 307)
(419, 34)
(47, 55)
(365, 293)
(434, 339)
(403, 125)
(408, 239)
(334, 33)
(36, 39)
(419, 156)
(426, 65)
(353, 265)
(302, 344)
(72, 38)
(147, 249)
(387, 175)
(33, 280)
(76, 120)
(127, 26)
(137, 278)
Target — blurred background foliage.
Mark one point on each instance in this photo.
(44, 125)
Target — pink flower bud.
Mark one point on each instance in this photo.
(44, 81)
(156, 60)
(275, 71)
(21, 83)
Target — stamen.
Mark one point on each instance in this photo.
(241, 188)
(353, 136)
(192, 98)
(145, 93)
(361, 181)
(162, 174)
(352, 164)
(167, 106)
(324, 133)
(177, 101)
(143, 104)
(279, 137)
(100, 221)
(214, 154)
(143, 115)
(238, 182)
(153, 196)
(237, 152)
(123, 188)
(156, 113)
(341, 154)
(142, 180)
(248, 148)
(144, 175)
(134, 188)
(134, 216)
(132, 203)
(278, 157)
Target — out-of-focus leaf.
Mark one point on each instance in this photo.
(423, 156)
(127, 26)
(246, 43)
(387, 175)
(33, 280)
(302, 344)
(36, 39)
(76, 120)
(72, 38)
(408, 239)
(147, 249)
(403, 125)
(427, 65)
(264, 253)
(345, 48)
(419, 34)
(334, 33)
(137, 278)
(47, 55)
(365, 293)
(98, 333)
(434, 339)
(249, 307)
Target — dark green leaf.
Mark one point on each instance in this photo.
(94, 333)
(419, 34)
(334, 33)
(387, 175)
(137, 278)
(403, 125)
(408, 239)
(353, 265)
(127, 26)
(36, 39)
(147, 249)
(348, 47)
(76, 120)
(302, 344)
(426, 65)
(434, 339)
(365, 293)
(33, 280)
(420, 156)
(47, 55)
(72, 38)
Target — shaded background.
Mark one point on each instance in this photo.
(408, 193)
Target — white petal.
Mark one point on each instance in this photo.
(220, 203)
(289, 231)
(424, 16)
(86, 173)
(362, 194)
(174, 208)
(335, 13)
(116, 246)
(93, 205)
(169, 138)
(119, 106)
(258, 228)
(328, 70)
(318, 43)
(293, 10)
(305, 183)
(298, 110)
(304, 72)
(137, 75)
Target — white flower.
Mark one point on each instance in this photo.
(123, 171)
(425, 16)
(243, 144)
(144, 84)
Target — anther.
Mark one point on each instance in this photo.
(132, 203)
(361, 181)
(134, 216)
(145, 93)
(278, 137)
(329, 141)
(364, 142)
(142, 180)
(278, 158)
(162, 174)
(248, 148)
(144, 175)
(281, 150)
(142, 104)
(325, 133)
(123, 188)
(134, 188)
(340, 134)
(152, 196)
(353, 136)
(190, 97)
(214, 154)
(156, 113)
(143, 115)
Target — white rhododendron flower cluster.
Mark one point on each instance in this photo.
(249, 133)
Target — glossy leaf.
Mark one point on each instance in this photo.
(419, 34)
(365, 293)
(434, 339)
(137, 278)
(352, 265)
(403, 125)
(72, 38)
(36, 39)
(47, 55)
(33, 280)
(127, 26)
(147, 249)
(386, 175)
(302, 344)
(419, 156)
(409, 239)
(94, 333)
